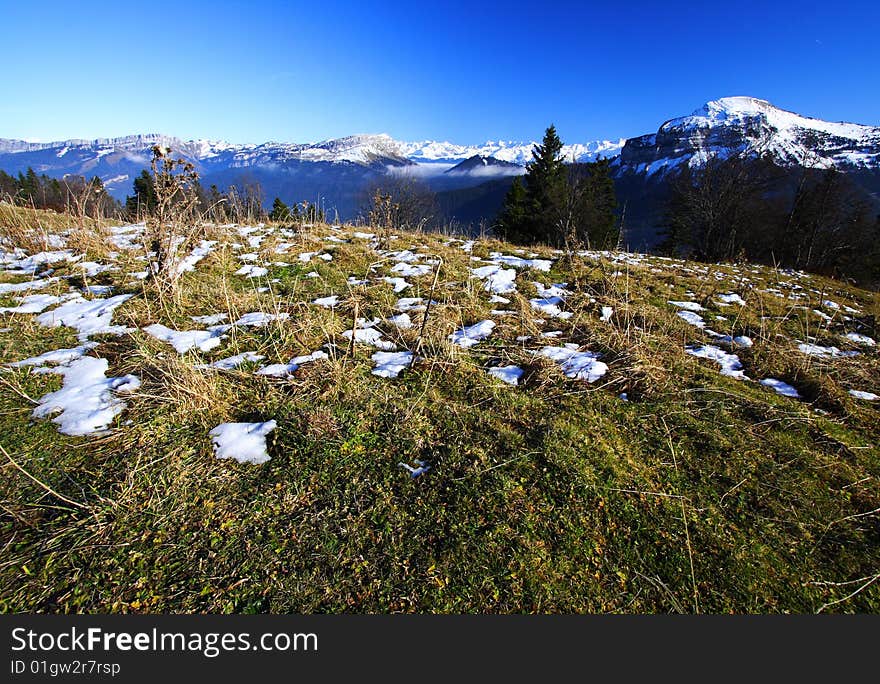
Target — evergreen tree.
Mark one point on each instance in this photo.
(546, 187)
(144, 199)
(595, 204)
(513, 222)
(534, 213)
(280, 211)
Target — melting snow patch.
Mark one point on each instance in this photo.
(402, 321)
(692, 318)
(472, 334)
(327, 302)
(855, 337)
(780, 387)
(259, 319)
(7, 288)
(508, 374)
(32, 304)
(189, 263)
(232, 362)
(517, 262)
(607, 313)
(89, 317)
(496, 279)
(731, 298)
(210, 319)
(867, 396)
(85, 400)
(688, 306)
(368, 335)
(280, 370)
(399, 283)
(57, 356)
(576, 364)
(413, 271)
(414, 304)
(389, 364)
(252, 271)
(730, 363)
(245, 442)
(183, 341)
(825, 352)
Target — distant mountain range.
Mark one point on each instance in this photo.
(338, 172)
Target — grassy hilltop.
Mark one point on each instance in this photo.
(695, 491)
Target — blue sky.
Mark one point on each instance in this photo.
(459, 71)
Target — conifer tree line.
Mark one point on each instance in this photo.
(71, 194)
(816, 220)
(557, 203)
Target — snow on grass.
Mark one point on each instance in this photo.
(233, 362)
(692, 318)
(743, 341)
(576, 364)
(402, 321)
(281, 370)
(730, 298)
(824, 352)
(781, 387)
(365, 333)
(184, 340)
(260, 319)
(550, 300)
(730, 363)
(32, 304)
(399, 283)
(414, 304)
(508, 374)
(31, 264)
(252, 271)
(518, 262)
(607, 313)
(411, 270)
(687, 306)
(389, 364)
(244, 442)
(86, 401)
(496, 279)
(327, 302)
(472, 334)
(87, 316)
(189, 263)
(39, 284)
(57, 356)
(210, 319)
(861, 339)
(867, 396)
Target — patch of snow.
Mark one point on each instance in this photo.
(183, 341)
(607, 313)
(508, 374)
(692, 318)
(86, 401)
(687, 306)
(730, 363)
(496, 279)
(32, 304)
(245, 442)
(327, 302)
(286, 369)
(867, 396)
(472, 334)
(57, 356)
(825, 352)
(210, 319)
(390, 364)
(232, 362)
(87, 316)
(781, 387)
(861, 339)
(415, 471)
(260, 319)
(252, 271)
(576, 364)
(399, 283)
(730, 298)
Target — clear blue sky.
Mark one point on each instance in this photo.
(448, 70)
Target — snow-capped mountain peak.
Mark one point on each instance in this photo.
(751, 126)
